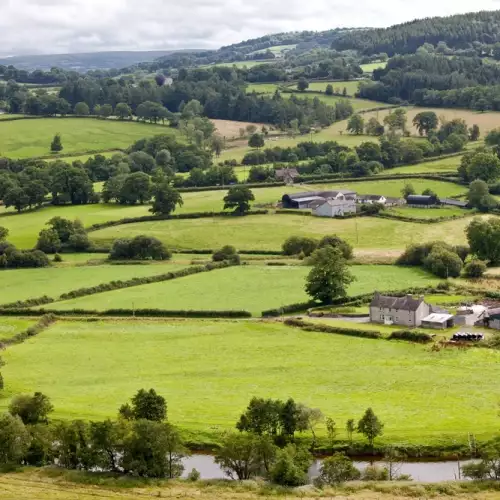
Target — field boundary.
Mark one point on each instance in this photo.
(45, 321)
(118, 285)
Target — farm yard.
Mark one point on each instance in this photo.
(194, 362)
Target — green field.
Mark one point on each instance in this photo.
(208, 370)
(24, 228)
(268, 232)
(23, 284)
(240, 64)
(12, 326)
(338, 87)
(262, 88)
(371, 67)
(428, 213)
(436, 166)
(27, 138)
(276, 49)
(251, 288)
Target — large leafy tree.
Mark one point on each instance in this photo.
(356, 124)
(146, 405)
(31, 409)
(483, 236)
(426, 122)
(238, 198)
(165, 199)
(330, 275)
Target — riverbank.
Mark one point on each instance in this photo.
(57, 484)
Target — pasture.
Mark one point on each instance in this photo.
(331, 100)
(485, 121)
(90, 369)
(12, 326)
(23, 284)
(371, 67)
(251, 288)
(429, 167)
(262, 88)
(267, 232)
(231, 129)
(24, 227)
(28, 138)
(428, 213)
(351, 86)
(85, 157)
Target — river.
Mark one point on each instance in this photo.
(425, 472)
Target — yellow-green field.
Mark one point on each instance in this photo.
(338, 87)
(27, 138)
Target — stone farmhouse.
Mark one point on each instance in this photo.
(287, 175)
(338, 207)
(405, 311)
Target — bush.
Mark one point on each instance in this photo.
(337, 469)
(226, 253)
(57, 258)
(443, 263)
(415, 255)
(79, 242)
(297, 244)
(139, 248)
(411, 336)
(193, 476)
(337, 242)
(475, 269)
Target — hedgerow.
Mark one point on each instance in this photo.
(20, 304)
(313, 327)
(153, 218)
(116, 285)
(411, 336)
(164, 313)
(45, 321)
(291, 308)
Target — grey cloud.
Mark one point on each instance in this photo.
(58, 26)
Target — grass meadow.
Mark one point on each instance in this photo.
(338, 87)
(23, 284)
(429, 167)
(24, 227)
(208, 371)
(371, 67)
(268, 232)
(28, 138)
(12, 326)
(251, 288)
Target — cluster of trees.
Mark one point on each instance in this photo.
(438, 257)
(12, 258)
(141, 247)
(430, 79)
(140, 443)
(63, 234)
(305, 247)
(220, 92)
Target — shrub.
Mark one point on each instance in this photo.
(475, 269)
(415, 255)
(57, 258)
(227, 253)
(337, 242)
(337, 469)
(411, 336)
(443, 263)
(79, 242)
(297, 244)
(139, 248)
(194, 476)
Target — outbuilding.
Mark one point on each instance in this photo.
(335, 208)
(438, 321)
(422, 201)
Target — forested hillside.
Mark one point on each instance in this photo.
(457, 32)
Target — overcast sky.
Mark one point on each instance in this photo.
(59, 26)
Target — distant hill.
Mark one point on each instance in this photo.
(85, 61)
(461, 31)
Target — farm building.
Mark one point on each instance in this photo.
(334, 208)
(450, 202)
(438, 321)
(287, 175)
(312, 199)
(394, 202)
(420, 200)
(470, 315)
(406, 311)
(370, 199)
(492, 319)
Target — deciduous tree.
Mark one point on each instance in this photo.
(370, 426)
(238, 198)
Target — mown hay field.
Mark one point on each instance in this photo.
(28, 138)
(208, 371)
(251, 288)
(268, 232)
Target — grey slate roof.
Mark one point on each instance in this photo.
(406, 303)
(454, 203)
(283, 172)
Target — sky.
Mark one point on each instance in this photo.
(64, 26)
